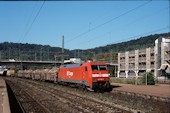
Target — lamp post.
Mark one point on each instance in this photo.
(146, 78)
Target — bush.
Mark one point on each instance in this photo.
(126, 80)
(150, 78)
(111, 71)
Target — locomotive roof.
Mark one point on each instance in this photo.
(71, 65)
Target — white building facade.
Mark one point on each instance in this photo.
(135, 63)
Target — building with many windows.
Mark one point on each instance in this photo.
(135, 63)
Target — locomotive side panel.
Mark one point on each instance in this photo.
(73, 75)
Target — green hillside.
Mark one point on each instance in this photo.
(19, 51)
(142, 42)
(104, 53)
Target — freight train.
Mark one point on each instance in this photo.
(92, 76)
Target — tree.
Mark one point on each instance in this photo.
(150, 78)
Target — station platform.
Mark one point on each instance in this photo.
(160, 90)
(4, 101)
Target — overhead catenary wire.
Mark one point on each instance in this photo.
(29, 28)
(28, 21)
(100, 25)
(141, 35)
(99, 17)
(25, 28)
(128, 24)
(144, 34)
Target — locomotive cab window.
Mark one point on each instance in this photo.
(103, 67)
(99, 67)
(94, 67)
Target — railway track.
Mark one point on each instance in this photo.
(80, 101)
(53, 99)
(29, 104)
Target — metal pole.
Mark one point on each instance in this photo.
(62, 50)
(19, 55)
(9, 53)
(41, 54)
(21, 61)
(75, 54)
(111, 56)
(35, 56)
(0, 55)
(94, 54)
(78, 54)
(48, 54)
(146, 78)
(19, 52)
(55, 60)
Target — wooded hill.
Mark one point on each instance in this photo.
(19, 51)
(142, 42)
(109, 52)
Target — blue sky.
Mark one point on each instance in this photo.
(84, 24)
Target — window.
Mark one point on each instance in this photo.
(102, 67)
(85, 68)
(99, 67)
(94, 67)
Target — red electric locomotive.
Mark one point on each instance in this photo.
(91, 75)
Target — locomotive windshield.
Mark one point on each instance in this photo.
(99, 67)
